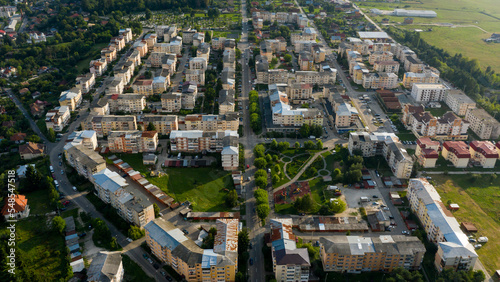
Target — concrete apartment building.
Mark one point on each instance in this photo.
(319, 54)
(380, 56)
(129, 103)
(411, 78)
(164, 124)
(151, 39)
(189, 95)
(284, 115)
(71, 98)
(57, 118)
(412, 64)
(483, 124)
(174, 47)
(226, 101)
(196, 76)
(228, 76)
(133, 141)
(85, 161)
(85, 82)
(454, 250)
(203, 51)
(306, 61)
(102, 125)
(131, 205)
(143, 87)
(356, 254)
(447, 127)
(106, 266)
(345, 117)
(195, 141)
(484, 153)
(386, 66)
(230, 158)
(98, 67)
(171, 102)
(218, 43)
(86, 138)
(171, 246)
(276, 45)
(229, 59)
(427, 152)
(457, 152)
(458, 102)
(198, 64)
(304, 45)
(308, 34)
(387, 80)
(299, 93)
(422, 92)
(108, 53)
(115, 85)
(228, 121)
(385, 144)
(313, 77)
(289, 262)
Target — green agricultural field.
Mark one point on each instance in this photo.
(478, 198)
(474, 20)
(205, 188)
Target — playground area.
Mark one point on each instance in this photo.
(288, 194)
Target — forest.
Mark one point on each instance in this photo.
(107, 6)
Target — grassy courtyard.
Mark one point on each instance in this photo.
(294, 167)
(205, 188)
(478, 198)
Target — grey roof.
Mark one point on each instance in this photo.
(104, 267)
(70, 224)
(226, 97)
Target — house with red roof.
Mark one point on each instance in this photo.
(18, 137)
(31, 150)
(483, 153)
(427, 152)
(15, 207)
(457, 152)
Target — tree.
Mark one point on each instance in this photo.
(297, 145)
(304, 130)
(261, 182)
(151, 127)
(319, 145)
(276, 169)
(259, 151)
(34, 179)
(337, 206)
(269, 159)
(34, 138)
(274, 61)
(309, 145)
(261, 196)
(288, 58)
(51, 134)
(311, 8)
(58, 224)
(135, 232)
(260, 163)
(148, 14)
(275, 179)
(208, 36)
(243, 240)
(262, 211)
(232, 199)
(274, 144)
(283, 146)
(260, 173)
(156, 209)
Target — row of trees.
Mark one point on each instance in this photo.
(130, 6)
(313, 130)
(255, 114)
(262, 204)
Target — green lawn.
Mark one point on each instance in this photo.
(439, 112)
(293, 168)
(205, 188)
(39, 202)
(317, 187)
(40, 251)
(83, 65)
(406, 136)
(479, 200)
(135, 161)
(132, 271)
(284, 179)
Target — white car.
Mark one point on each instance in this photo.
(74, 188)
(130, 240)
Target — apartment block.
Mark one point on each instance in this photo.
(345, 116)
(306, 61)
(166, 32)
(106, 266)
(57, 118)
(457, 152)
(386, 145)
(299, 93)
(143, 87)
(454, 250)
(483, 124)
(218, 43)
(98, 67)
(483, 153)
(171, 102)
(410, 78)
(289, 262)
(459, 102)
(109, 53)
(86, 138)
(447, 127)
(284, 115)
(413, 64)
(427, 152)
(228, 121)
(171, 246)
(319, 54)
(229, 59)
(304, 45)
(226, 101)
(387, 80)
(228, 76)
(71, 98)
(85, 82)
(196, 76)
(196, 141)
(198, 64)
(163, 124)
(129, 103)
(379, 56)
(85, 161)
(422, 92)
(386, 66)
(203, 51)
(102, 125)
(276, 45)
(132, 141)
(230, 158)
(173, 47)
(309, 34)
(313, 77)
(356, 254)
(131, 205)
(189, 95)
(151, 39)
(277, 76)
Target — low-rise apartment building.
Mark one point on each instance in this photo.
(171, 246)
(102, 125)
(458, 102)
(86, 138)
(171, 102)
(308, 34)
(413, 64)
(289, 262)
(355, 254)
(196, 76)
(195, 141)
(427, 152)
(71, 98)
(386, 66)
(198, 63)
(313, 77)
(345, 116)
(299, 93)
(457, 152)
(379, 56)
(143, 87)
(99, 66)
(86, 162)
(483, 124)
(226, 101)
(132, 141)
(483, 153)
(411, 78)
(151, 39)
(116, 85)
(284, 115)
(210, 123)
(454, 250)
(423, 92)
(230, 158)
(447, 127)
(108, 53)
(189, 95)
(163, 124)
(387, 80)
(85, 82)
(57, 118)
(306, 61)
(128, 103)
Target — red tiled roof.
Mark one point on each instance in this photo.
(425, 142)
(20, 204)
(149, 134)
(486, 148)
(459, 148)
(31, 148)
(430, 153)
(18, 136)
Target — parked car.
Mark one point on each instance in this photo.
(156, 266)
(251, 261)
(62, 171)
(145, 256)
(128, 239)
(74, 188)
